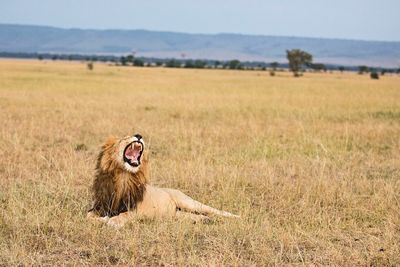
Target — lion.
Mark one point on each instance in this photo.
(121, 190)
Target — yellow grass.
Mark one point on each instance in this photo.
(311, 164)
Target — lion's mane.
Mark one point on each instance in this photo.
(116, 190)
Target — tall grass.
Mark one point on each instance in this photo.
(311, 164)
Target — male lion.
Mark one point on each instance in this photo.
(121, 190)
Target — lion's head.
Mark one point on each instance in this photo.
(122, 172)
(122, 154)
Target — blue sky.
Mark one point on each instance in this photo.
(349, 19)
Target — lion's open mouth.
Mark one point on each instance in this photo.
(132, 153)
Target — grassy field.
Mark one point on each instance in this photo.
(311, 164)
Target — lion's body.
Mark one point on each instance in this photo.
(157, 202)
(121, 191)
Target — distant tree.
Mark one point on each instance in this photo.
(217, 63)
(362, 69)
(317, 66)
(274, 65)
(129, 58)
(199, 64)
(189, 64)
(297, 58)
(383, 71)
(123, 61)
(138, 62)
(54, 57)
(233, 64)
(40, 57)
(172, 64)
(341, 68)
(374, 75)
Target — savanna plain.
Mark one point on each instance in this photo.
(311, 164)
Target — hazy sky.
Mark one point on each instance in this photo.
(350, 19)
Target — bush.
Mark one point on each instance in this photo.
(90, 66)
(271, 73)
(297, 74)
(374, 75)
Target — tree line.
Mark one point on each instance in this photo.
(299, 61)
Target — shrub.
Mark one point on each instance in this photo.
(90, 66)
(297, 74)
(374, 75)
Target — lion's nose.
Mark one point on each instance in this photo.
(138, 136)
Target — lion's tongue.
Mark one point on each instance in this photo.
(133, 153)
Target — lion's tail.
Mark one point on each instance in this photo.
(186, 203)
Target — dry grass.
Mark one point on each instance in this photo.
(311, 164)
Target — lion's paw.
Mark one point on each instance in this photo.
(116, 222)
(104, 219)
(94, 217)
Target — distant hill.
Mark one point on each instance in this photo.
(23, 38)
